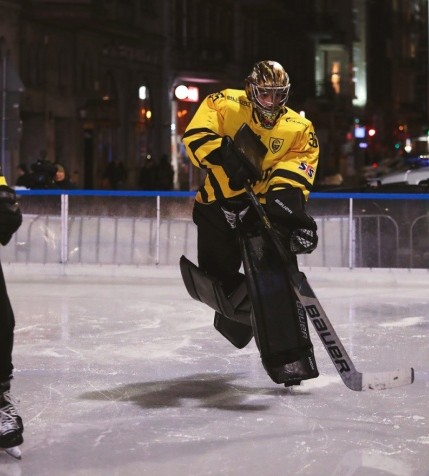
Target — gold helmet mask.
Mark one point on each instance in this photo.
(267, 86)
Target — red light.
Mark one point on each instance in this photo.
(371, 132)
(187, 93)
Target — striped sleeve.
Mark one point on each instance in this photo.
(299, 165)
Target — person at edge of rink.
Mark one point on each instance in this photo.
(11, 426)
(288, 171)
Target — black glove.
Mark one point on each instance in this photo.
(10, 214)
(238, 169)
(303, 240)
(286, 208)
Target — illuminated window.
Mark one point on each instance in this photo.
(336, 77)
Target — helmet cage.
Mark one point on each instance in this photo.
(269, 99)
(267, 87)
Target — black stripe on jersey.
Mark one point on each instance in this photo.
(204, 194)
(198, 130)
(217, 190)
(292, 176)
(280, 186)
(194, 145)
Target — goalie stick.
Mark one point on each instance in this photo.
(354, 379)
(253, 150)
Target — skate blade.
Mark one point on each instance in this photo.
(292, 383)
(15, 452)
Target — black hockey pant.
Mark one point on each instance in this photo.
(7, 325)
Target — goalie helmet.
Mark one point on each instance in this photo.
(267, 86)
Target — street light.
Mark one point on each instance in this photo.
(187, 93)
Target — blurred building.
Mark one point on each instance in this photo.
(100, 76)
(398, 80)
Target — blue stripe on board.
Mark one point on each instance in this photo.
(106, 193)
(183, 194)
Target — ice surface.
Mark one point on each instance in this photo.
(123, 374)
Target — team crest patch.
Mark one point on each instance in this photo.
(308, 169)
(275, 144)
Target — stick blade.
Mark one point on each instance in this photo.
(388, 379)
(15, 452)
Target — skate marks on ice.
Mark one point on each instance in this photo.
(406, 322)
(372, 462)
(359, 435)
(142, 384)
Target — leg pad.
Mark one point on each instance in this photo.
(207, 289)
(232, 316)
(238, 334)
(278, 318)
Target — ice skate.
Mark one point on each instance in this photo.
(14, 451)
(11, 427)
(293, 373)
(292, 383)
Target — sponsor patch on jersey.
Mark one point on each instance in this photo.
(275, 144)
(290, 119)
(239, 100)
(308, 169)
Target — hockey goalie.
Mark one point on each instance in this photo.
(250, 138)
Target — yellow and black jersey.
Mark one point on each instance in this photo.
(293, 149)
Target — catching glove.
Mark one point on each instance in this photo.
(10, 214)
(303, 240)
(287, 210)
(238, 169)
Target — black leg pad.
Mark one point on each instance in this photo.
(238, 334)
(278, 318)
(208, 290)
